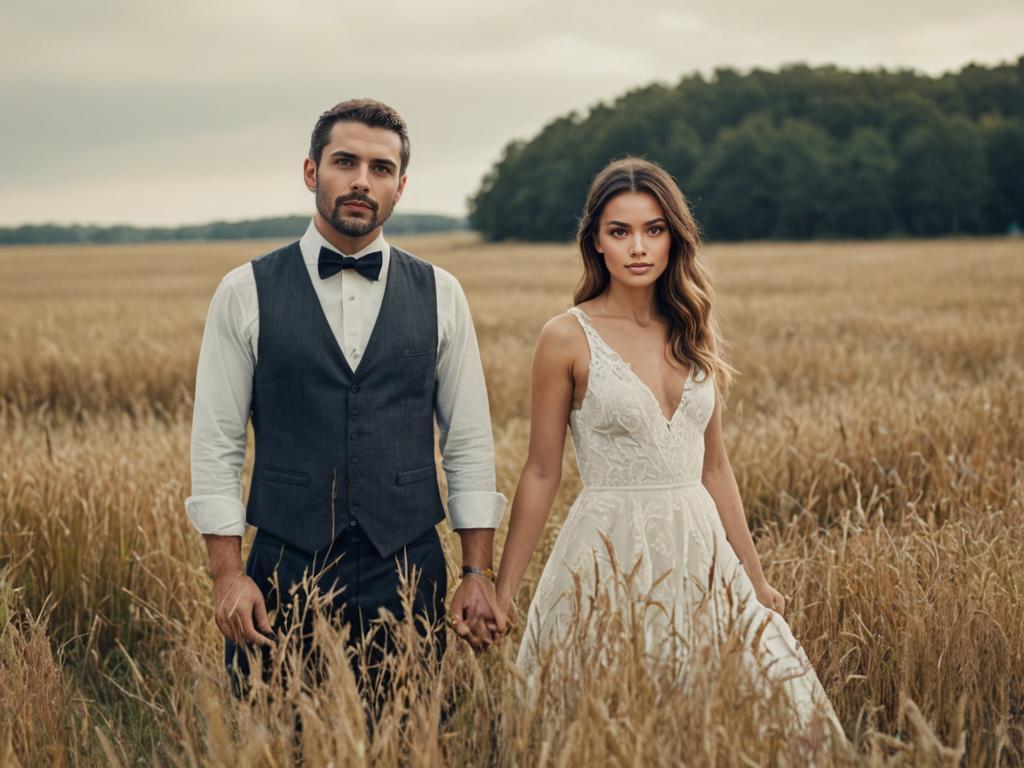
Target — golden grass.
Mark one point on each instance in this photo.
(876, 433)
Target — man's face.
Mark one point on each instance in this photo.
(357, 181)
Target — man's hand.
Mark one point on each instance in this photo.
(240, 609)
(475, 614)
(237, 601)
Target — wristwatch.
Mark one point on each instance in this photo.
(487, 573)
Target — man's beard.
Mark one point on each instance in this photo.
(331, 210)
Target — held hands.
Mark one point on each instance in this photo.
(240, 611)
(476, 615)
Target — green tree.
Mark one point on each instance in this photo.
(862, 197)
(734, 182)
(803, 186)
(942, 181)
(799, 152)
(1004, 152)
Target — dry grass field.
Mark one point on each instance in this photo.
(877, 434)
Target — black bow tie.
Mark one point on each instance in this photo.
(332, 262)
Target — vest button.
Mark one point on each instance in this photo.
(355, 481)
(354, 388)
(355, 459)
(352, 523)
(355, 507)
(355, 413)
(354, 436)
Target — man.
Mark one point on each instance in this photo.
(342, 348)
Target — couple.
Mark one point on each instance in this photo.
(342, 349)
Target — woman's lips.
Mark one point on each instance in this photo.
(639, 269)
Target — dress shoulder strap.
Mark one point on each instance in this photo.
(599, 350)
(584, 322)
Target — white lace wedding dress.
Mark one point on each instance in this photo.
(642, 493)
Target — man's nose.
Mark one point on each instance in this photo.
(361, 181)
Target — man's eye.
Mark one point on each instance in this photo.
(344, 161)
(382, 169)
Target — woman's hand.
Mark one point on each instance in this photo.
(505, 605)
(769, 596)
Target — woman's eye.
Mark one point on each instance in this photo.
(618, 233)
(656, 230)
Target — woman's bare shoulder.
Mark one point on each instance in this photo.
(562, 336)
(563, 329)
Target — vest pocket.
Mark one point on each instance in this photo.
(415, 352)
(287, 476)
(415, 475)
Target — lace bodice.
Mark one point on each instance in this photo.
(619, 432)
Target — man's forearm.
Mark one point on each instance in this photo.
(225, 554)
(477, 546)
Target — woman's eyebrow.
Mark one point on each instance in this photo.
(659, 220)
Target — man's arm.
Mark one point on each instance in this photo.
(475, 508)
(222, 401)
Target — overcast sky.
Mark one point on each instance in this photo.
(118, 111)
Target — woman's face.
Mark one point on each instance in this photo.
(634, 238)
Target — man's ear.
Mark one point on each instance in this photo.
(309, 174)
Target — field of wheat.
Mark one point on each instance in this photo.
(876, 431)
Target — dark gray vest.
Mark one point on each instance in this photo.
(334, 447)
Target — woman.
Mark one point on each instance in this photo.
(634, 370)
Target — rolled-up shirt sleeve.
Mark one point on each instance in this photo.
(223, 397)
(463, 414)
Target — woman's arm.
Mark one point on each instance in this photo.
(551, 401)
(717, 476)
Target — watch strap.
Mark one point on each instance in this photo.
(487, 573)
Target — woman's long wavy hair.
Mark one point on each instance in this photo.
(684, 292)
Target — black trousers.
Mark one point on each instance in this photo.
(362, 581)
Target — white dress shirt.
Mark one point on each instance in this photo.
(351, 304)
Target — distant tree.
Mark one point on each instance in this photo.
(862, 199)
(942, 181)
(765, 180)
(284, 227)
(990, 90)
(495, 191)
(796, 153)
(804, 184)
(734, 186)
(907, 111)
(1004, 152)
(695, 97)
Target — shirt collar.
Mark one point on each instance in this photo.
(312, 241)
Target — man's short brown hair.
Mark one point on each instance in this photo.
(366, 111)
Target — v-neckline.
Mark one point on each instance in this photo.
(650, 392)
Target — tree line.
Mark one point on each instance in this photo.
(274, 227)
(799, 153)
